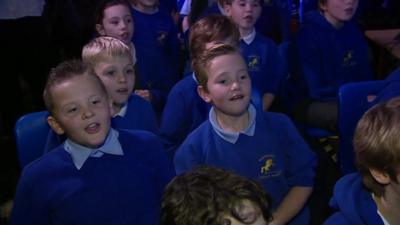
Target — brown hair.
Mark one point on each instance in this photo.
(205, 194)
(212, 28)
(103, 5)
(201, 63)
(377, 143)
(63, 72)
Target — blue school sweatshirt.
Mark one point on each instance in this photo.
(264, 64)
(331, 57)
(111, 189)
(354, 204)
(184, 111)
(157, 52)
(276, 155)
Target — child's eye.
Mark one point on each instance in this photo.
(129, 20)
(114, 22)
(130, 71)
(110, 73)
(222, 82)
(72, 110)
(243, 77)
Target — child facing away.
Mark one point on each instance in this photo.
(260, 53)
(209, 195)
(255, 144)
(157, 50)
(371, 195)
(185, 110)
(332, 51)
(99, 175)
(113, 63)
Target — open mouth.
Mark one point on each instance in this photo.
(236, 97)
(122, 91)
(248, 19)
(92, 128)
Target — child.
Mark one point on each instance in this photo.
(332, 51)
(255, 144)
(371, 196)
(158, 49)
(185, 110)
(261, 53)
(113, 18)
(207, 195)
(112, 62)
(99, 175)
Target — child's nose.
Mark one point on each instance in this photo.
(235, 86)
(87, 113)
(121, 78)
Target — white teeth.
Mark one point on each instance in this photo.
(92, 125)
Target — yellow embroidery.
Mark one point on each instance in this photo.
(267, 166)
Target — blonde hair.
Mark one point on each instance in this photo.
(102, 47)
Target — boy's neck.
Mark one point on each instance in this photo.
(389, 204)
(334, 22)
(232, 123)
(245, 32)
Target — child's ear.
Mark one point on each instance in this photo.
(100, 29)
(55, 126)
(227, 9)
(203, 93)
(380, 177)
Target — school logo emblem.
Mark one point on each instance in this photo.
(253, 62)
(161, 38)
(268, 167)
(348, 59)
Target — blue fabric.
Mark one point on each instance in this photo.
(276, 156)
(274, 21)
(157, 50)
(168, 6)
(264, 64)
(331, 57)
(139, 116)
(109, 190)
(183, 112)
(391, 89)
(353, 203)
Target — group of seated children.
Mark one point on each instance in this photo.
(106, 165)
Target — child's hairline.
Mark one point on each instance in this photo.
(50, 90)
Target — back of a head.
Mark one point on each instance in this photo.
(377, 143)
(63, 72)
(206, 194)
(209, 29)
(102, 48)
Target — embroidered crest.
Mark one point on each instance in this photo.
(253, 62)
